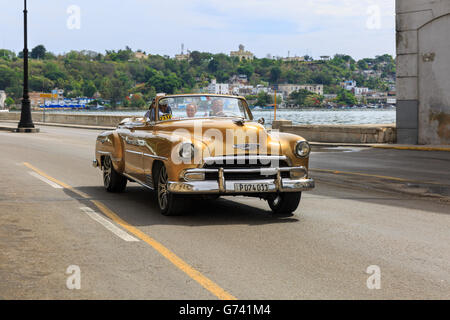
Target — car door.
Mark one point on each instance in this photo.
(132, 150)
(149, 153)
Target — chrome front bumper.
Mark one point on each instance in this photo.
(223, 186)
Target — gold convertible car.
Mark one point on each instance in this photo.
(204, 146)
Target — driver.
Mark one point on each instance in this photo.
(217, 108)
(191, 110)
(164, 108)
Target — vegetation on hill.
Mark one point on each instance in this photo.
(116, 74)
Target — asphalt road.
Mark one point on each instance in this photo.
(371, 207)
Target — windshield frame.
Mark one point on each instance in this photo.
(247, 111)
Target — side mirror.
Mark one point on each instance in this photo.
(261, 121)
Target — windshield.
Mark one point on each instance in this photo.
(188, 107)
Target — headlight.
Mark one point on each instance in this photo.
(302, 149)
(187, 151)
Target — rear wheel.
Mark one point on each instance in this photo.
(169, 203)
(112, 180)
(284, 203)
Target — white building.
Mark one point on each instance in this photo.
(287, 89)
(218, 88)
(260, 88)
(360, 91)
(348, 85)
(291, 59)
(2, 99)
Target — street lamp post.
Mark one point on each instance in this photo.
(26, 122)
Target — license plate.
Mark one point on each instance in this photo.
(251, 187)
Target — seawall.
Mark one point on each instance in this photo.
(383, 133)
(364, 133)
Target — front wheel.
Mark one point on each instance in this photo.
(112, 180)
(169, 204)
(284, 203)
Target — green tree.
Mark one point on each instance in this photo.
(196, 58)
(362, 65)
(38, 52)
(8, 77)
(264, 99)
(299, 97)
(246, 69)
(346, 98)
(137, 101)
(9, 102)
(7, 54)
(313, 100)
(275, 74)
(89, 89)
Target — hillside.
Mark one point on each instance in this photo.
(116, 74)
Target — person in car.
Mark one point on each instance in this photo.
(191, 110)
(217, 108)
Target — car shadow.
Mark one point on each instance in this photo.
(139, 207)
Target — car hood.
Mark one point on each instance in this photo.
(224, 136)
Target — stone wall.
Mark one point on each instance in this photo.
(340, 133)
(78, 119)
(423, 71)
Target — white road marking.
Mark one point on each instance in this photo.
(108, 225)
(36, 175)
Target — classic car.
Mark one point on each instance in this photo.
(196, 146)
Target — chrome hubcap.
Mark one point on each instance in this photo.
(162, 189)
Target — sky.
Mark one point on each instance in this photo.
(360, 28)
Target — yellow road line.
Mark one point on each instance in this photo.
(169, 255)
(62, 184)
(374, 176)
(165, 252)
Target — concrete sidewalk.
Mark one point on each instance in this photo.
(6, 125)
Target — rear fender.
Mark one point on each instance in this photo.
(110, 144)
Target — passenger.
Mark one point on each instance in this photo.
(191, 110)
(217, 108)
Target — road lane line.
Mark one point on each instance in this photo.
(51, 183)
(108, 225)
(62, 184)
(205, 282)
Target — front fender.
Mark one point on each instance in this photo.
(287, 144)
